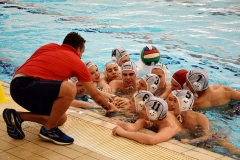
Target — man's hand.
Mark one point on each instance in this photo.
(109, 96)
(112, 108)
(122, 103)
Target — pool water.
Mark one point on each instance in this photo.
(189, 34)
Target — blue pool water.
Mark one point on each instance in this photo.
(189, 34)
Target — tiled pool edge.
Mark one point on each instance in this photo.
(173, 145)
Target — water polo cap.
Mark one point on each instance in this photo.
(198, 79)
(130, 66)
(156, 108)
(73, 80)
(164, 68)
(180, 77)
(106, 65)
(89, 64)
(185, 101)
(152, 81)
(140, 97)
(118, 53)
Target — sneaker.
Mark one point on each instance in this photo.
(56, 136)
(13, 122)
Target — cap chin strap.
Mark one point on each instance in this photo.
(185, 86)
(177, 83)
(194, 91)
(179, 117)
(195, 94)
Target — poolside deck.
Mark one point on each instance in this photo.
(93, 141)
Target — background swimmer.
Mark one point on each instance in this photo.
(111, 72)
(127, 86)
(149, 82)
(163, 73)
(81, 100)
(181, 103)
(95, 75)
(120, 56)
(179, 79)
(206, 95)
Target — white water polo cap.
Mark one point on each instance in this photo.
(185, 101)
(73, 80)
(164, 68)
(156, 108)
(118, 54)
(107, 64)
(89, 64)
(130, 66)
(198, 79)
(152, 81)
(140, 97)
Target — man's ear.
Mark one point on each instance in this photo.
(78, 50)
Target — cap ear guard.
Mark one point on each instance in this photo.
(156, 108)
(140, 97)
(197, 86)
(185, 99)
(140, 106)
(153, 88)
(198, 79)
(185, 104)
(152, 115)
(152, 81)
(114, 59)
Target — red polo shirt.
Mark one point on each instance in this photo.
(55, 62)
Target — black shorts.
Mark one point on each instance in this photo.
(35, 95)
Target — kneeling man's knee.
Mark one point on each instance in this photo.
(68, 90)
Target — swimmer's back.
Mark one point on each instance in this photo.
(215, 95)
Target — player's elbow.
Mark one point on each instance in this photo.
(152, 141)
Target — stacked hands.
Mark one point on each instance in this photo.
(117, 103)
(121, 103)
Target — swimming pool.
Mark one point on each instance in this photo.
(189, 34)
